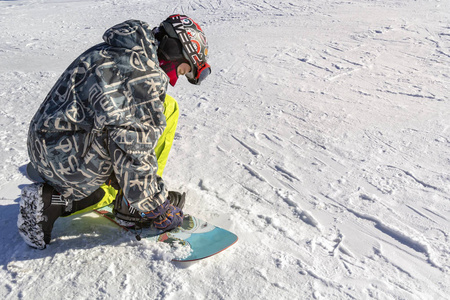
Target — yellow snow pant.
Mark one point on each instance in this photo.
(162, 150)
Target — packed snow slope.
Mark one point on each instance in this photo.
(322, 139)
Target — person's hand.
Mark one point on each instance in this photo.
(177, 199)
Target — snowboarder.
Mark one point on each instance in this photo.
(104, 131)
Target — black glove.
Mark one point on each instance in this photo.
(177, 199)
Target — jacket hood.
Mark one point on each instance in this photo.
(134, 35)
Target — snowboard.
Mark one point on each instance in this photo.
(203, 239)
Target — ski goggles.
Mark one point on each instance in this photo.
(199, 75)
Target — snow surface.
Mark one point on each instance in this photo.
(322, 139)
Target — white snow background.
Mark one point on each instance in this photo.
(322, 139)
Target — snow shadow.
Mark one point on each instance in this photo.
(79, 232)
(23, 168)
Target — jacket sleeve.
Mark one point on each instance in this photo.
(135, 164)
(135, 120)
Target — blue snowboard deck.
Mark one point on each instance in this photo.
(204, 239)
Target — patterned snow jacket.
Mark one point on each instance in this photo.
(105, 113)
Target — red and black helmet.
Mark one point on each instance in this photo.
(194, 45)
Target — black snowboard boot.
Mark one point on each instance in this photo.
(127, 215)
(40, 206)
(130, 217)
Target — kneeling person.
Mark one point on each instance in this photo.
(105, 130)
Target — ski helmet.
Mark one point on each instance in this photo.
(194, 45)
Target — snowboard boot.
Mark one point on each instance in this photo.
(40, 206)
(128, 216)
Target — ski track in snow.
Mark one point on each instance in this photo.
(321, 139)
